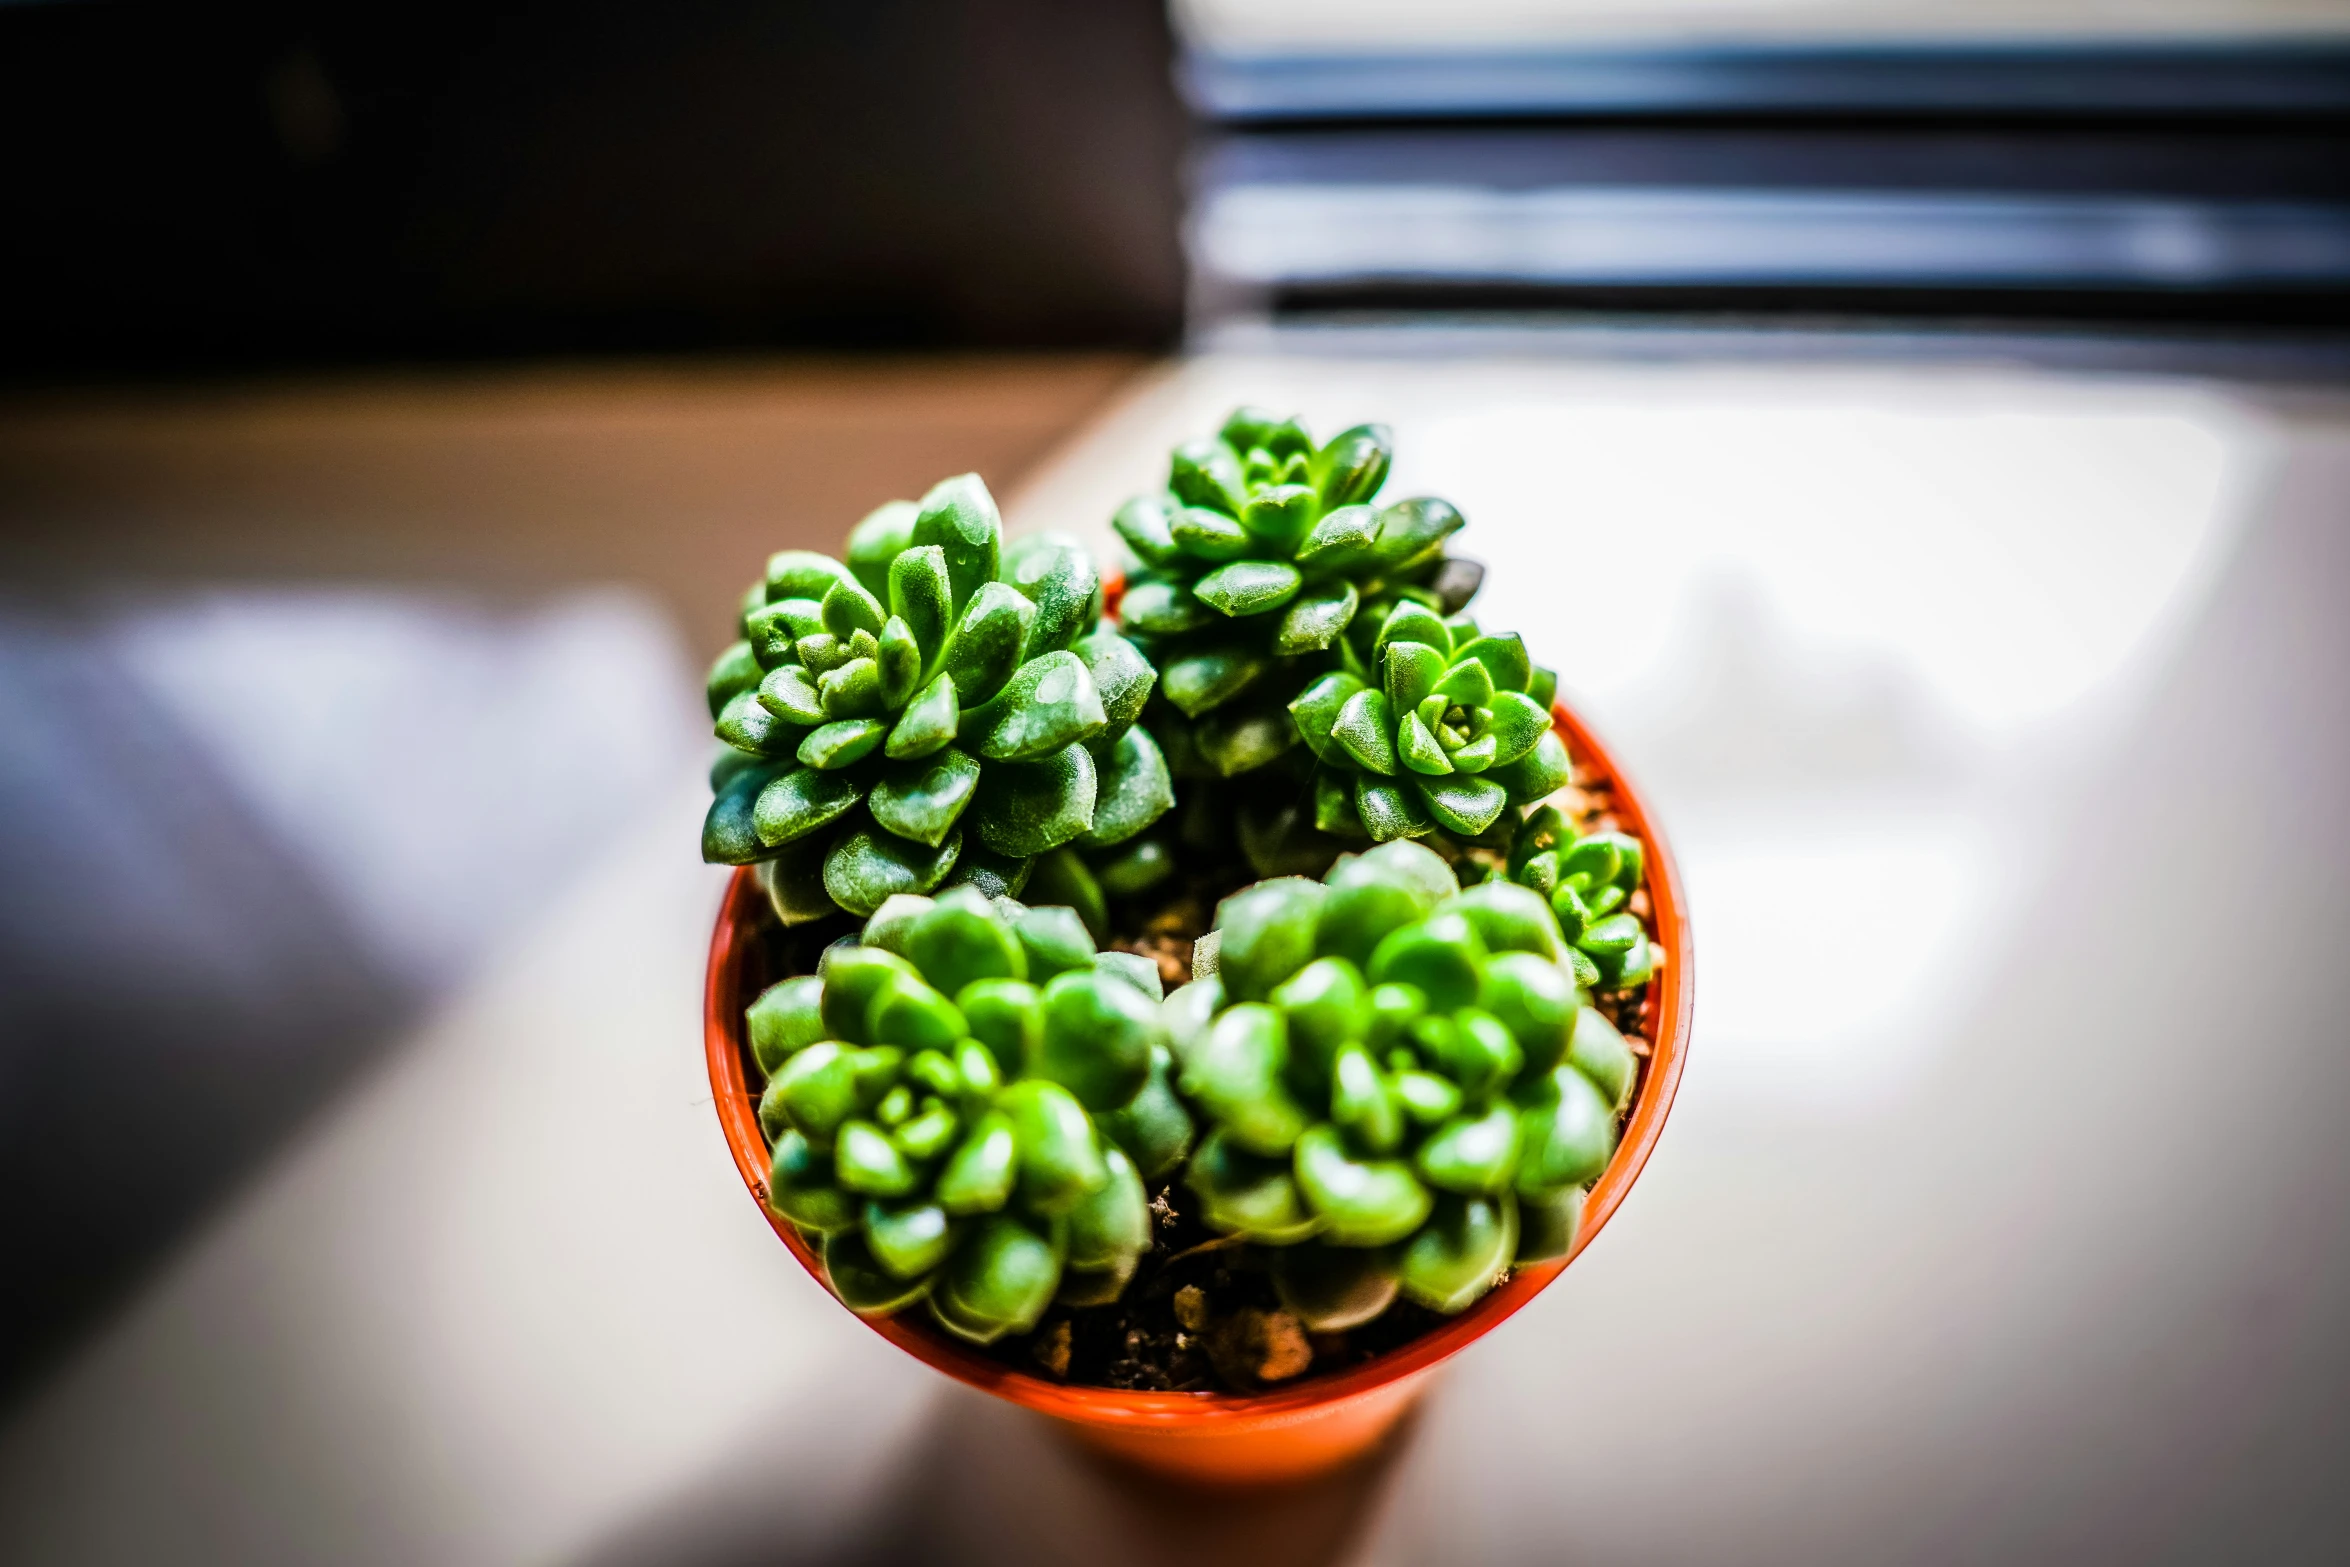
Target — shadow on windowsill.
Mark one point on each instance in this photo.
(984, 1483)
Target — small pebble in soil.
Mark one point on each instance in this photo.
(1254, 1345)
(1167, 936)
(1049, 1348)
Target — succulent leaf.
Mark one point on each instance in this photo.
(784, 1020)
(800, 1187)
(1548, 1224)
(1409, 621)
(1060, 1161)
(1162, 609)
(984, 647)
(1111, 1226)
(1541, 772)
(736, 671)
(747, 725)
(908, 1239)
(801, 802)
(1131, 791)
(861, 1282)
(1391, 810)
(1353, 465)
(1363, 1202)
(923, 799)
(1316, 709)
(1466, 1245)
(1210, 536)
(730, 832)
(1210, 677)
(1335, 1288)
(1235, 1074)
(1598, 1051)
(980, 1176)
(1248, 1194)
(1569, 1131)
(878, 541)
(1146, 524)
(803, 574)
(1057, 575)
(1122, 677)
(999, 1280)
(1049, 705)
(1316, 620)
(959, 517)
(1026, 808)
(836, 746)
(1467, 805)
(1266, 934)
(1248, 587)
(1207, 474)
(1364, 732)
(1153, 1128)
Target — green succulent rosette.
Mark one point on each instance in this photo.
(963, 1107)
(1451, 729)
(1588, 881)
(1254, 563)
(937, 710)
(1406, 1090)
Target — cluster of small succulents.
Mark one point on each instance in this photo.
(1588, 881)
(935, 711)
(964, 1105)
(1405, 1087)
(1389, 1086)
(1262, 565)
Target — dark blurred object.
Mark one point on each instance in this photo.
(175, 988)
(246, 840)
(235, 185)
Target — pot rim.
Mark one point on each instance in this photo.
(737, 1106)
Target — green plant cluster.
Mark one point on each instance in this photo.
(1405, 1087)
(1588, 882)
(964, 1105)
(1256, 562)
(937, 710)
(1455, 728)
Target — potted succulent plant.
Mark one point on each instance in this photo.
(934, 711)
(1407, 1089)
(1228, 1230)
(961, 1151)
(1261, 568)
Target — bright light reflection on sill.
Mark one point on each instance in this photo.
(1813, 623)
(2014, 557)
(1826, 959)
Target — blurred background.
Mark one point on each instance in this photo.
(1917, 431)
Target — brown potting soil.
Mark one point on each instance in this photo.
(1200, 1314)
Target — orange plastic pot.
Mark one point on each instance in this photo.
(1216, 1437)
